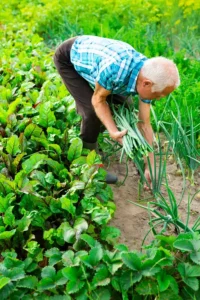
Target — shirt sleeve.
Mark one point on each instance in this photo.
(110, 74)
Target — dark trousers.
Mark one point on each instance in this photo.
(81, 91)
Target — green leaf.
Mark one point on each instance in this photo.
(48, 272)
(169, 294)
(56, 148)
(12, 146)
(6, 186)
(147, 287)
(67, 204)
(74, 286)
(91, 158)
(132, 261)
(72, 273)
(185, 245)
(9, 217)
(93, 258)
(45, 284)
(101, 277)
(75, 149)
(101, 293)
(89, 240)
(80, 225)
(7, 234)
(15, 274)
(4, 281)
(5, 202)
(33, 130)
(54, 255)
(101, 216)
(187, 272)
(110, 234)
(29, 282)
(24, 223)
(56, 166)
(128, 278)
(46, 116)
(33, 162)
(164, 280)
(195, 257)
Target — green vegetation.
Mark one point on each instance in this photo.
(55, 241)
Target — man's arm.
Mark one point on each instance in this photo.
(147, 131)
(104, 114)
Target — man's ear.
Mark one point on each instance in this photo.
(147, 83)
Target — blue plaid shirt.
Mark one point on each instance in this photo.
(113, 64)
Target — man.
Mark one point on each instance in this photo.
(96, 69)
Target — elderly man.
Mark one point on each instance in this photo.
(96, 69)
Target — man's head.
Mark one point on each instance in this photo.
(157, 78)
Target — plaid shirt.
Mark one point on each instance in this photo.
(113, 64)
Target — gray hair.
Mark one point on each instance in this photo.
(162, 72)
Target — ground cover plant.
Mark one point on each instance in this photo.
(55, 208)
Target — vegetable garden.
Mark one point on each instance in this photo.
(56, 211)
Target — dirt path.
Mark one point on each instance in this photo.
(133, 220)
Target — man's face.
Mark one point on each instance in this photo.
(145, 91)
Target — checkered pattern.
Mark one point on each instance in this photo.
(113, 64)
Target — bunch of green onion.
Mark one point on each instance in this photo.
(134, 144)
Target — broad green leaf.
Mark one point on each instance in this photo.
(12, 146)
(69, 235)
(80, 225)
(74, 286)
(93, 258)
(184, 245)
(110, 234)
(128, 278)
(187, 272)
(91, 158)
(33, 162)
(79, 161)
(4, 281)
(89, 240)
(56, 166)
(7, 234)
(72, 273)
(17, 160)
(42, 141)
(169, 294)
(54, 255)
(67, 204)
(75, 149)
(9, 217)
(6, 186)
(33, 130)
(48, 272)
(45, 284)
(29, 282)
(24, 223)
(46, 116)
(13, 105)
(132, 261)
(3, 116)
(101, 216)
(77, 185)
(147, 287)
(101, 293)
(5, 202)
(101, 277)
(195, 257)
(56, 148)
(15, 274)
(164, 280)
(60, 279)
(12, 262)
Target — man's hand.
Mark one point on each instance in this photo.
(148, 178)
(118, 135)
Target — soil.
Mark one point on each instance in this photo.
(133, 220)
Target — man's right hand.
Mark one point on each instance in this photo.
(118, 135)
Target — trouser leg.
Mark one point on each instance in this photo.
(80, 90)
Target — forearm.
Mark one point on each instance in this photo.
(103, 112)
